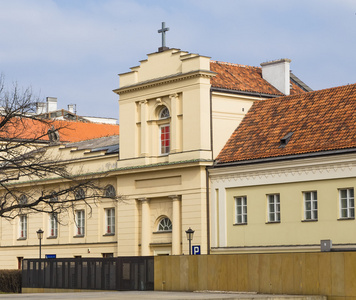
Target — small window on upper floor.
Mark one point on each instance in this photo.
(79, 194)
(110, 192)
(164, 113)
(23, 199)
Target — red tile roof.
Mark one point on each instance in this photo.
(320, 121)
(69, 131)
(245, 78)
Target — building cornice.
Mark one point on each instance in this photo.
(164, 80)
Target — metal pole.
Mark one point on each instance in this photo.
(190, 247)
(40, 248)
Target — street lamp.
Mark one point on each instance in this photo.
(190, 233)
(40, 236)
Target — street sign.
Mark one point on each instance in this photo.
(50, 255)
(196, 250)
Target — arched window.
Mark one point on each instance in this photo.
(79, 194)
(164, 113)
(165, 224)
(110, 191)
(23, 199)
(54, 197)
(165, 137)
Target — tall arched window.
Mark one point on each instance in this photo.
(165, 138)
(165, 224)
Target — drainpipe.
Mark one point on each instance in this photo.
(207, 174)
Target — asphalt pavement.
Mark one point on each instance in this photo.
(149, 295)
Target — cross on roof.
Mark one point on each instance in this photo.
(163, 31)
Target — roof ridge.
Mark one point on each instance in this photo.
(232, 64)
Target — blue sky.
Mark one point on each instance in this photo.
(74, 49)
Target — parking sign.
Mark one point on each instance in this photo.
(196, 250)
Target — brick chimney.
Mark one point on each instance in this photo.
(277, 73)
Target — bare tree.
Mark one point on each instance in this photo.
(26, 160)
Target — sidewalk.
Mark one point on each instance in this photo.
(149, 295)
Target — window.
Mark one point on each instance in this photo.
(53, 225)
(165, 138)
(79, 194)
(80, 222)
(23, 227)
(241, 210)
(23, 199)
(164, 131)
(54, 197)
(347, 206)
(110, 220)
(310, 206)
(164, 113)
(110, 191)
(165, 224)
(273, 208)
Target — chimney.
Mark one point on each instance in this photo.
(71, 108)
(40, 108)
(277, 73)
(51, 104)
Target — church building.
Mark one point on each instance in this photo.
(177, 110)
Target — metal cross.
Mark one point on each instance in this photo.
(163, 31)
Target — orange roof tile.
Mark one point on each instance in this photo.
(69, 131)
(245, 78)
(320, 121)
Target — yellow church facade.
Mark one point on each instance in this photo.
(177, 109)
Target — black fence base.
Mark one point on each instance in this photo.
(120, 273)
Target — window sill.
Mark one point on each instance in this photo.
(239, 224)
(78, 236)
(22, 238)
(163, 231)
(311, 220)
(108, 234)
(52, 237)
(273, 222)
(343, 219)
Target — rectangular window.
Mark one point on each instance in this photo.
(110, 220)
(23, 227)
(274, 214)
(310, 206)
(241, 210)
(347, 206)
(165, 139)
(53, 225)
(80, 222)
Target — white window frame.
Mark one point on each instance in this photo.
(347, 204)
(163, 223)
(23, 227)
(110, 221)
(164, 150)
(53, 225)
(274, 208)
(241, 210)
(310, 205)
(80, 223)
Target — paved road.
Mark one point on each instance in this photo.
(149, 295)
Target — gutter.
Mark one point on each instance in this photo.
(207, 186)
(282, 158)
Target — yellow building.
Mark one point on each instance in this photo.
(177, 110)
(285, 179)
